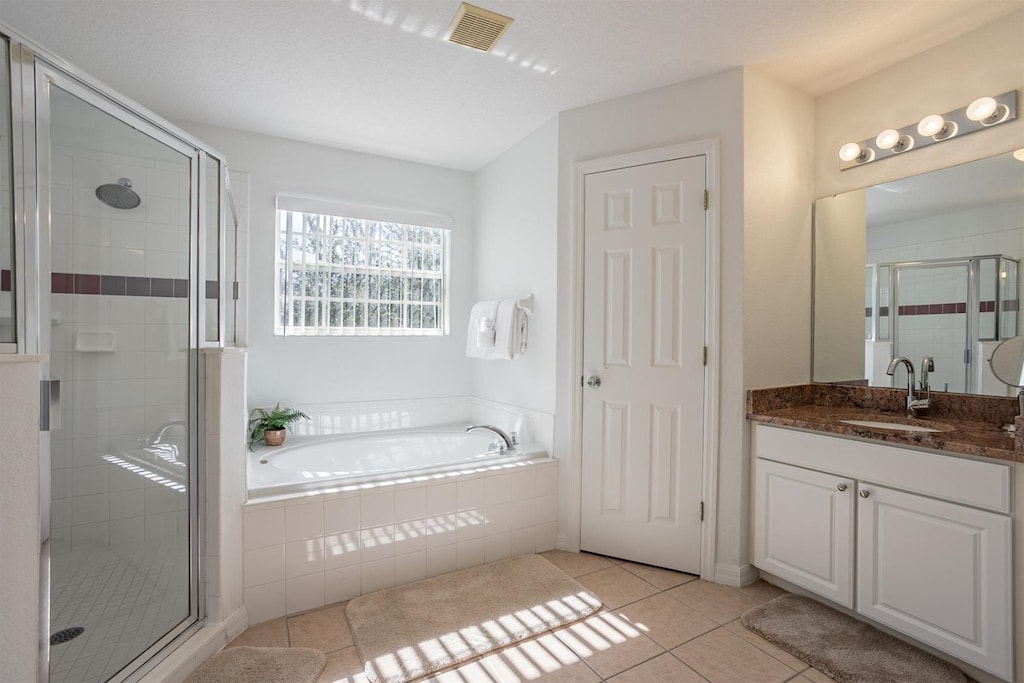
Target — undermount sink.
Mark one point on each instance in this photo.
(890, 422)
(895, 426)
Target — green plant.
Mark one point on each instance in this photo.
(262, 420)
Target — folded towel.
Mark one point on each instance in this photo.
(497, 329)
(480, 338)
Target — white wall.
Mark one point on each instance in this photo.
(778, 124)
(987, 61)
(516, 231)
(19, 517)
(310, 369)
(702, 109)
(778, 189)
(839, 294)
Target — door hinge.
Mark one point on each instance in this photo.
(705, 200)
(702, 511)
(705, 356)
(967, 356)
(234, 290)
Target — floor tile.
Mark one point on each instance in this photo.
(617, 587)
(273, 633)
(343, 666)
(662, 668)
(662, 579)
(666, 621)
(472, 671)
(761, 644)
(723, 657)
(761, 591)
(816, 676)
(576, 564)
(608, 643)
(545, 658)
(720, 603)
(325, 629)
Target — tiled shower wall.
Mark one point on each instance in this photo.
(119, 324)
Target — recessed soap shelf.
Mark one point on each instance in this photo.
(95, 341)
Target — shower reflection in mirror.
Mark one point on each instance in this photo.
(922, 266)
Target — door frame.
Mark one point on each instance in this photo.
(709, 460)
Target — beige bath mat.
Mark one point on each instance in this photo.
(848, 650)
(263, 664)
(412, 630)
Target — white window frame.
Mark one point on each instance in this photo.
(287, 205)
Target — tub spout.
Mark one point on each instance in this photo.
(506, 439)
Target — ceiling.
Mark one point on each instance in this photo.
(376, 76)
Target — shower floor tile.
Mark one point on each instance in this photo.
(125, 597)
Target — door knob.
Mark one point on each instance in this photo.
(593, 381)
(865, 493)
(841, 487)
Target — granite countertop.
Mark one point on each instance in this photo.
(969, 425)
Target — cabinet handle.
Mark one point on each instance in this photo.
(865, 493)
(841, 487)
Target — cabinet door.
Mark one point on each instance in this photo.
(803, 528)
(938, 572)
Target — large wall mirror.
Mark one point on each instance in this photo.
(924, 266)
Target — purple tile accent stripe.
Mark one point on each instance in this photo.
(1010, 305)
(120, 285)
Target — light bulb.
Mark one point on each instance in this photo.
(849, 151)
(1018, 154)
(931, 125)
(888, 138)
(981, 108)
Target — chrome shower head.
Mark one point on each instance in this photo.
(119, 195)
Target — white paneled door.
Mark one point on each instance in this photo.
(643, 362)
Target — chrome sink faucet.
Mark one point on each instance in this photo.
(509, 442)
(927, 365)
(913, 404)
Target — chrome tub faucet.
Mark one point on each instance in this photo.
(508, 441)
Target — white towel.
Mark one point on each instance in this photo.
(481, 337)
(497, 330)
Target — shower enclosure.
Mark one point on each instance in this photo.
(111, 255)
(954, 310)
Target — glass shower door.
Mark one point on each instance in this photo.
(118, 324)
(931, 319)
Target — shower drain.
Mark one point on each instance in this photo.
(66, 635)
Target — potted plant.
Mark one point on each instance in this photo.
(270, 425)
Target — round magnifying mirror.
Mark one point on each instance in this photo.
(1007, 362)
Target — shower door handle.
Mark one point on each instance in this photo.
(49, 405)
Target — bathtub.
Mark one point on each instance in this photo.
(345, 462)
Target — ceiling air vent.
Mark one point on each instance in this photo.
(477, 28)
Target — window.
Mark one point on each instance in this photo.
(347, 275)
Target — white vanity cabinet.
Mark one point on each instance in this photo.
(916, 540)
(803, 528)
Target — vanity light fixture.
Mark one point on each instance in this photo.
(982, 113)
(935, 126)
(986, 111)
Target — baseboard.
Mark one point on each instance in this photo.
(562, 543)
(736, 575)
(236, 622)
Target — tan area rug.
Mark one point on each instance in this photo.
(423, 627)
(848, 650)
(263, 664)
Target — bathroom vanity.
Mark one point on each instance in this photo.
(912, 529)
